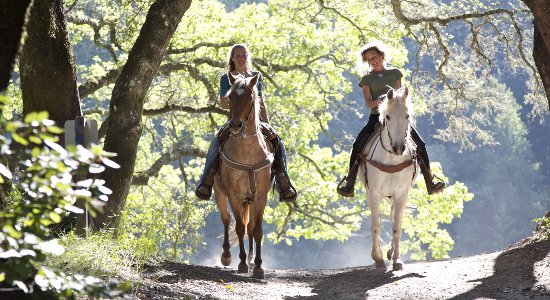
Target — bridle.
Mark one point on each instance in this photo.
(391, 140)
(245, 123)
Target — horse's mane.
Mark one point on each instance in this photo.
(398, 99)
(242, 82)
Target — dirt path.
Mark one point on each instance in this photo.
(519, 272)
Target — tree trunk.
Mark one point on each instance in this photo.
(12, 22)
(541, 44)
(126, 106)
(47, 67)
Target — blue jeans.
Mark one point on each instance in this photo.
(213, 150)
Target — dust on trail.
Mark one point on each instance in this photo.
(519, 272)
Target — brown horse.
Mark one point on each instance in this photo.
(244, 177)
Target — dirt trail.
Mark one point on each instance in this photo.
(519, 272)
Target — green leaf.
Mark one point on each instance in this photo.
(16, 137)
(31, 117)
(55, 130)
(35, 139)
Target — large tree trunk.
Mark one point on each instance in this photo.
(541, 44)
(47, 67)
(12, 21)
(126, 107)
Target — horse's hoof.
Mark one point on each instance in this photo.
(380, 264)
(243, 268)
(390, 253)
(258, 273)
(226, 261)
(251, 265)
(398, 265)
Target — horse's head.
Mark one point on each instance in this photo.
(395, 114)
(242, 99)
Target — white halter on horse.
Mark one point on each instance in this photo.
(390, 170)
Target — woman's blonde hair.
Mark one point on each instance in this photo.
(379, 47)
(230, 66)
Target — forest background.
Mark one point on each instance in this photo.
(307, 56)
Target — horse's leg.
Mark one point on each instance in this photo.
(221, 201)
(392, 217)
(250, 231)
(376, 253)
(240, 229)
(400, 204)
(258, 236)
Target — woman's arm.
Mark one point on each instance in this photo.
(263, 112)
(370, 103)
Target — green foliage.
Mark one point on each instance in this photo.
(44, 193)
(97, 255)
(423, 224)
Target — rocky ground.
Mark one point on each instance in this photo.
(519, 272)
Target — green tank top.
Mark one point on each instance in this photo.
(380, 81)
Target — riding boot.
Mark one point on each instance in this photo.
(433, 188)
(204, 190)
(348, 189)
(287, 192)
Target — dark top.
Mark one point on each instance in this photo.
(225, 86)
(379, 82)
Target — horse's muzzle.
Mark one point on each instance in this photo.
(236, 127)
(398, 150)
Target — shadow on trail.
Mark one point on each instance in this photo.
(330, 286)
(513, 275)
(171, 272)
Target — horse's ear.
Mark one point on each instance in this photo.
(390, 93)
(231, 78)
(406, 92)
(254, 80)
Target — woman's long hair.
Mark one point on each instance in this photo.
(230, 66)
(363, 65)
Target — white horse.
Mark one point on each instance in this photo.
(389, 170)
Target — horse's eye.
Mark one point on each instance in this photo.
(407, 117)
(387, 117)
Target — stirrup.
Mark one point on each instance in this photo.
(283, 191)
(437, 187)
(203, 188)
(341, 191)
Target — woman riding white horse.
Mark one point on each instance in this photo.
(389, 170)
(376, 84)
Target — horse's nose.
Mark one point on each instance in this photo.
(398, 149)
(236, 124)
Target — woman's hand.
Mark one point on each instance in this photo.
(224, 102)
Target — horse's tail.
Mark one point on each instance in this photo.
(245, 211)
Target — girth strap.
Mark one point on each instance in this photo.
(251, 169)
